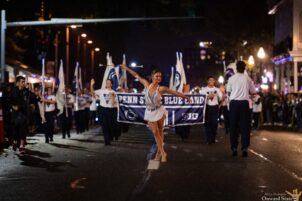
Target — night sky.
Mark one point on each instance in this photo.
(152, 43)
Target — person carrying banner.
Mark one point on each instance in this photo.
(184, 131)
(155, 112)
(214, 96)
(111, 128)
(240, 86)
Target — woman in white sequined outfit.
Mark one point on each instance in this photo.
(155, 112)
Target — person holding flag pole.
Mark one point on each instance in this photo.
(107, 95)
(178, 82)
(155, 113)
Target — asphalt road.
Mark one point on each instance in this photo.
(82, 168)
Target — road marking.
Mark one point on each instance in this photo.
(141, 185)
(293, 174)
(153, 165)
(173, 147)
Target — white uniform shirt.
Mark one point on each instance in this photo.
(50, 107)
(257, 105)
(70, 99)
(88, 99)
(93, 104)
(212, 90)
(106, 98)
(240, 86)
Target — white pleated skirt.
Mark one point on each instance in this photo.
(155, 115)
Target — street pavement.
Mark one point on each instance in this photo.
(82, 168)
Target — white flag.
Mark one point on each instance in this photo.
(77, 87)
(111, 73)
(105, 77)
(60, 96)
(123, 79)
(41, 104)
(171, 84)
(180, 76)
(183, 73)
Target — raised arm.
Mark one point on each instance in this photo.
(170, 91)
(136, 75)
(92, 82)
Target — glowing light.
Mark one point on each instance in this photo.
(261, 53)
(275, 87)
(73, 26)
(133, 64)
(264, 86)
(270, 76)
(251, 60)
(97, 49)
(90, 42)
(84, 35)
(221, 79)
(24, 66)
(264, 79)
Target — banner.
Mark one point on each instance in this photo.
(131, 109)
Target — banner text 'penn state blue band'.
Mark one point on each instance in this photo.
(131, 109)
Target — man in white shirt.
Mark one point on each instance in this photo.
(214, 96)
(50, 109)
(111, 128)
(240, 87)
(66, 116)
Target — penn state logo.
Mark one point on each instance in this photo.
(107, 98)
(113, 77)
(177, 80)
(131, 115)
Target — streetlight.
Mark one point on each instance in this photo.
(251, 61)
(134, 65)
(83, 35)
(261, 53)
(92, 54)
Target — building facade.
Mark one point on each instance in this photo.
(287, 44)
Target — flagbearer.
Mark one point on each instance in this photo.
(111, 128)
(50, 110)
(66, 116)
(214, 96)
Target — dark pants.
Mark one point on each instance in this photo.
(80, 121)
(86, 119)
(49, 125)
(183, 131)
(211, 123)
(239, 122)
(256, 116)
(66, 122)
(111, 128)
(92, 116)
(19, 125)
